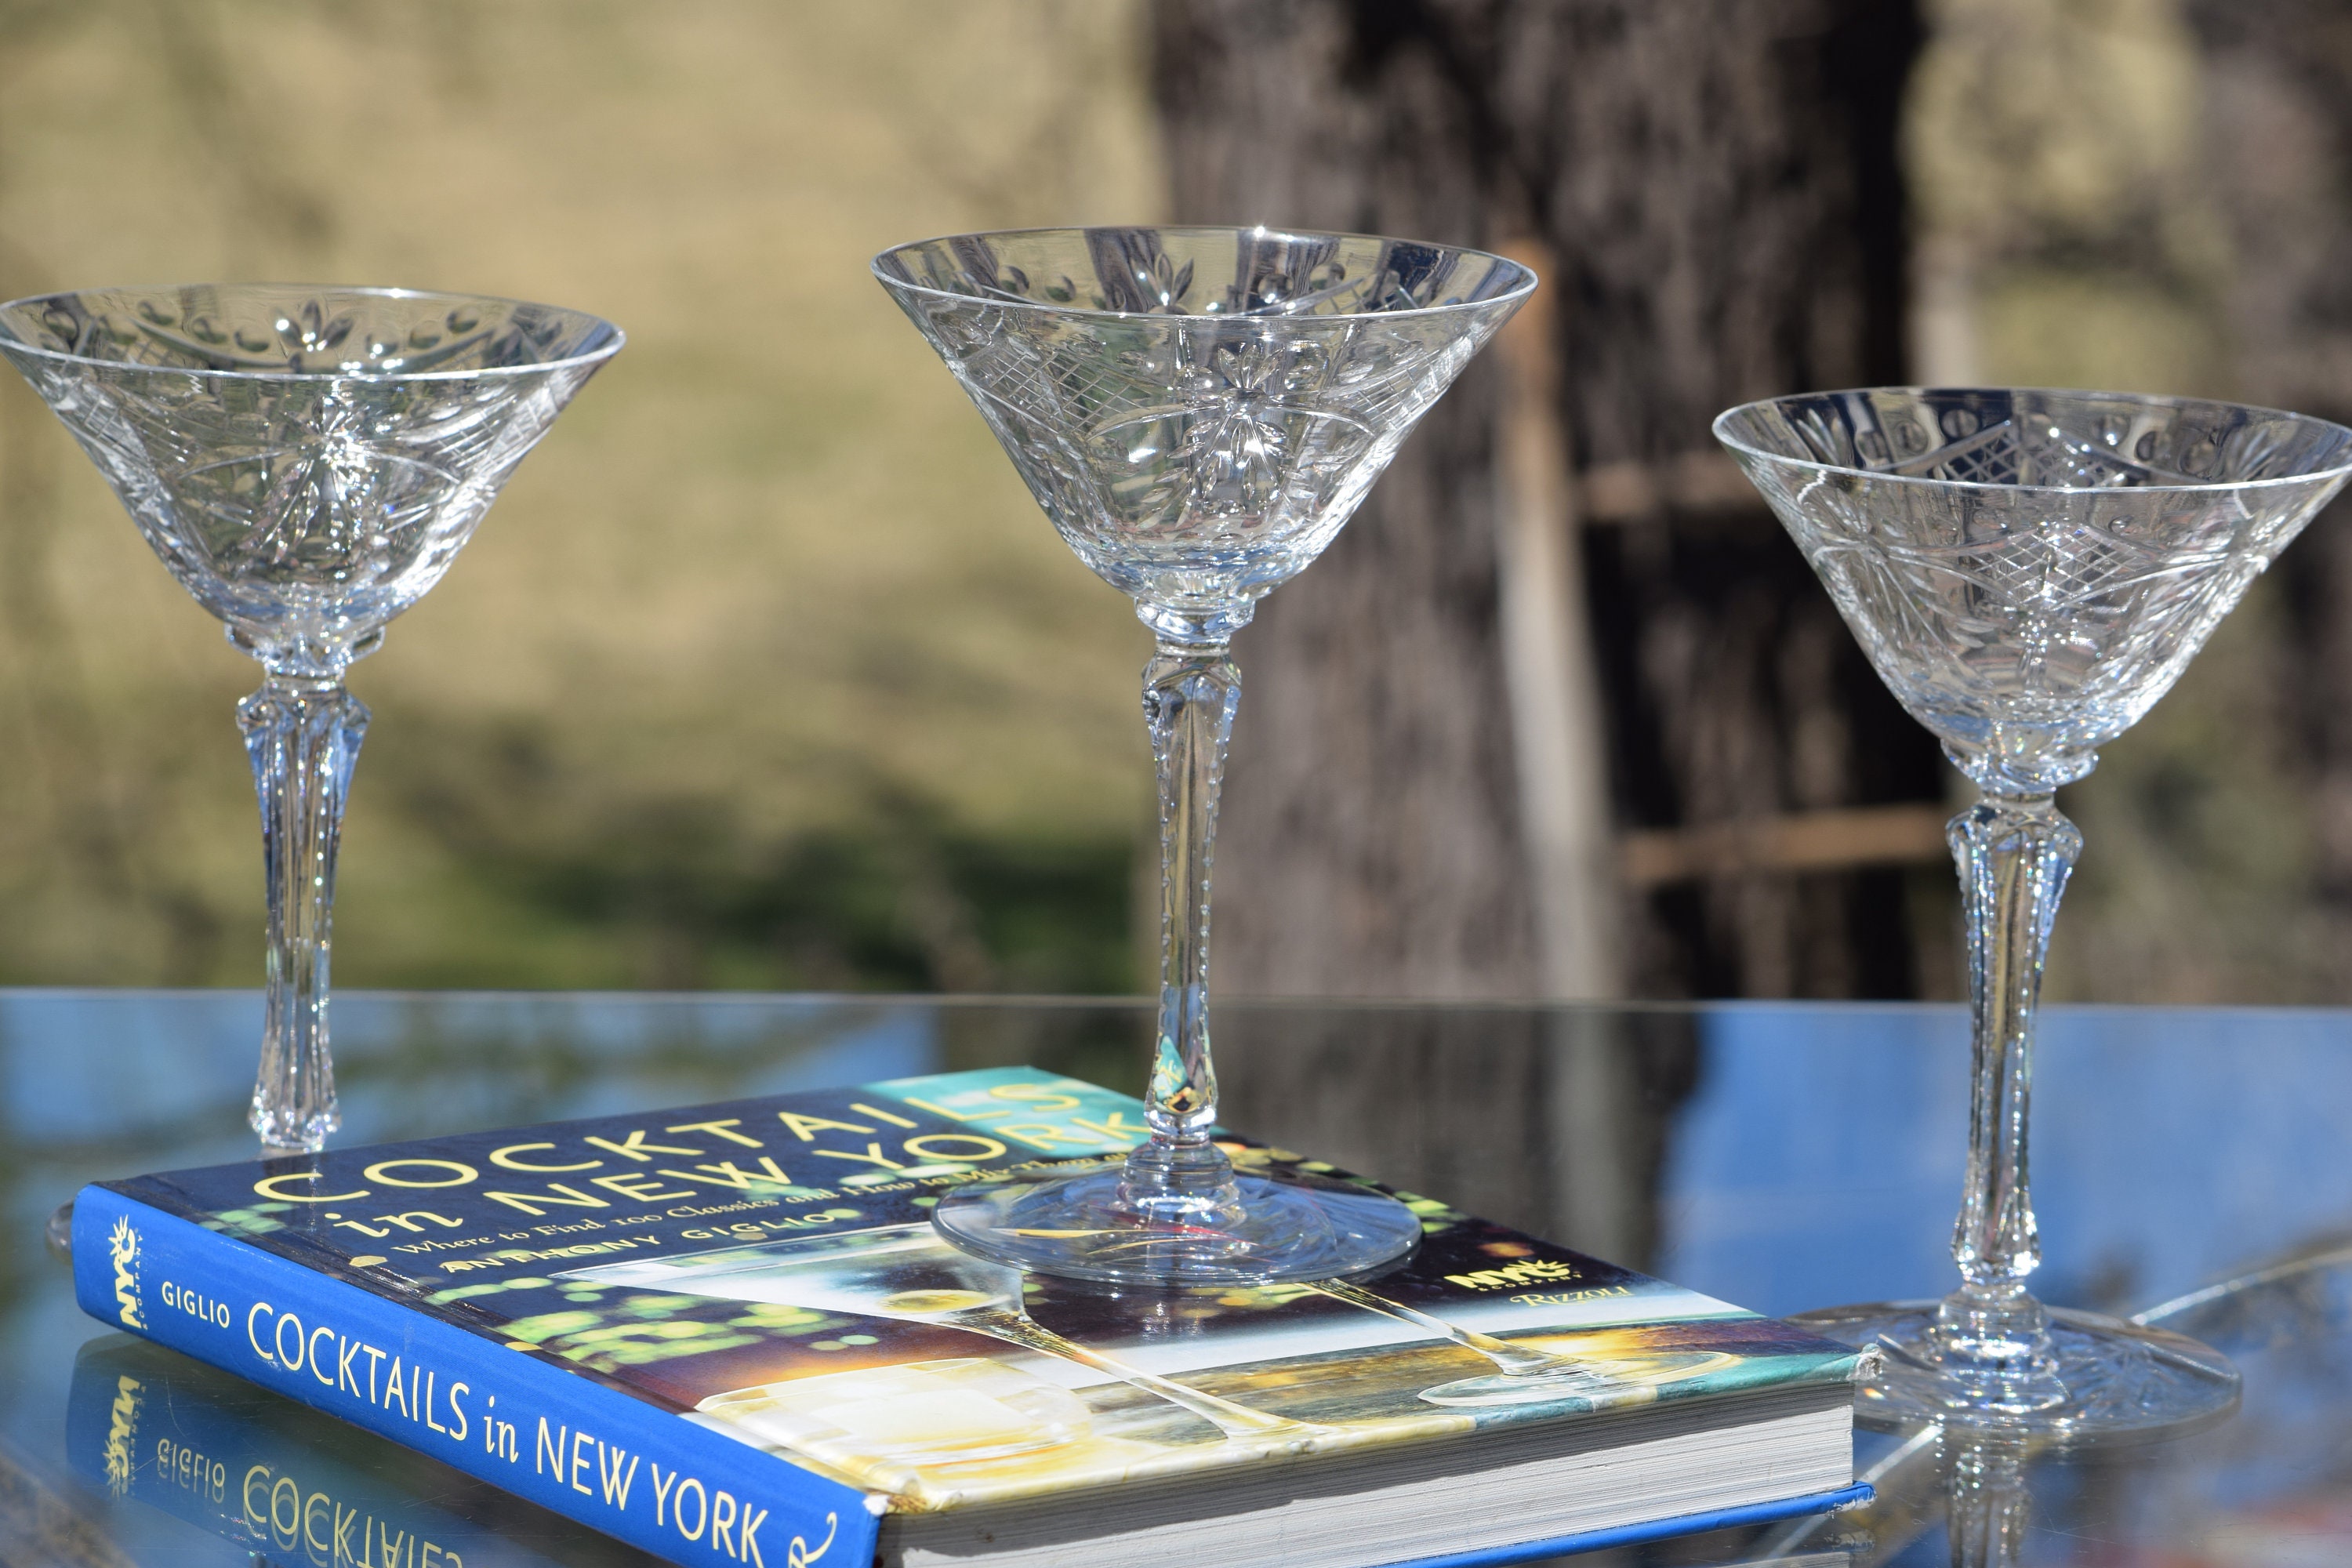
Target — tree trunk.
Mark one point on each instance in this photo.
(1716, 180)
(1367, 843)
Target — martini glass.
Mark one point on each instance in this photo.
(1198, 411)
(2027, 572)
(908, 1273)
(307, 461)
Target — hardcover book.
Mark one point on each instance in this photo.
(728, 1334)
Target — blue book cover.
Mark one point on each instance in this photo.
(728, 1334)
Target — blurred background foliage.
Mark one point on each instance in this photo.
(2068, 234)
(765, 672)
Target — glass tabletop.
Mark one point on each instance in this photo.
(2191, 1169)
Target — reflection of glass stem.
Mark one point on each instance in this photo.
(1233, 1420)
(1984, 1475)
(1513, 1361)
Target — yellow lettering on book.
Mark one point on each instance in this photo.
(701, 1509)
(1113, 1127)
(986, 1148)
(955, 1115)
(408, 1220)
(1036, 1096)
(1526, 1271)
(529, 1202)
(645, 1189)
(798, 1555)
(291, 1362)
(719, 1129)
(635, 1147)
(506, 1157)
(615, 1480)
(463, 1173)
(728, 1173)
(268, 1187)
(806, 1128)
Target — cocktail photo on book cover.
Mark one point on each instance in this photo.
(767, 1269)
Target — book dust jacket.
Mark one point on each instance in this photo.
(766, 1269)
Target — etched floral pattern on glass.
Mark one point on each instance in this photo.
(306, 462)
(1198, 411)
(2029, 572)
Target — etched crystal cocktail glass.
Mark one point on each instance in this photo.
(307, 461)
(1198, 411)
(2027, 572)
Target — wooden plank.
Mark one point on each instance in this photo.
(1807, 841)
(1699, 481)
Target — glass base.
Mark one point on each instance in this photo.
(57, 1234)
(1082, 1226)
(2099, 1378)
(1527, 1388)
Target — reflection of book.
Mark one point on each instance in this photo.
(286, 1483)
(728, 1333)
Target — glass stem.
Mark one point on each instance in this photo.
(1190, 693)
(1986, 1505)
(302, 733)
(2014, 852)
(1233, 1420)
(1514, 1361)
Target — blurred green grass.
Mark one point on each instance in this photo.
(766, 671)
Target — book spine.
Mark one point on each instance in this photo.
(586, 1451)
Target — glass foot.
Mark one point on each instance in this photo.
(1082, 1227)
(2098, 1378)
(1564, 1386)
(57, 1234)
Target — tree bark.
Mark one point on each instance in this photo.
(1718, 181)
(1369, 843)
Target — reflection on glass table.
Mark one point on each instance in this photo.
(169, 1444)
(909, 1273)
(1802, 1153)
